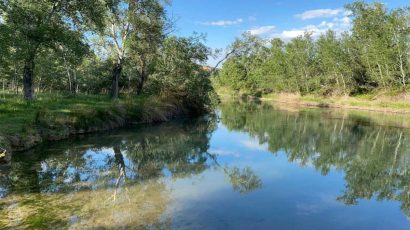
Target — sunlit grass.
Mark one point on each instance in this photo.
(16, 113)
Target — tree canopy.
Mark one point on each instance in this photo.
(373, 55)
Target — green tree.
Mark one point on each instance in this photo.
(275, 69)
(302, 63)
(38, 25)
(372, 38)
(180, 73)
(399, 26)
(150, 25)
(134, 32)
(334, 63)
(248, 54)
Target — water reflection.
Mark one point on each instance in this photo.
(108, 181)
(374, 156)
(250, 169)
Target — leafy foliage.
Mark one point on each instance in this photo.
(372, 56)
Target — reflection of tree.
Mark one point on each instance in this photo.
(243, 181)
(118, 183)
(122, 175)
(375, 158)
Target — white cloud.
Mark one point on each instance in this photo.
(251, 18)
(320, 13)
(223, 22)
(289, 34)
(262, 30)
(337, 24)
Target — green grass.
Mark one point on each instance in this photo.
(365, 101)
(16, 114)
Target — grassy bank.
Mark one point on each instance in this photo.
(390, 102)
(50, 117)
(380, 103)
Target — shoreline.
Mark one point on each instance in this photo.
(347, 102)
(47, 127)
(338, 106)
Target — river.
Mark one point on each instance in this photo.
(253, 166)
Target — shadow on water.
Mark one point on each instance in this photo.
(122, 179)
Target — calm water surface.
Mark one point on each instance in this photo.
(253, 167)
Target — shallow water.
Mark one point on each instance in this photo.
(253, 167)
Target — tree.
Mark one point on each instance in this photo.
(275, 68)
(115, 38)
(302, 63)
(133, 33)
(399, 26)
(38, 25)
(248, 53)
(372, 39)
(150, 24)
(180, 73)
(334, 63)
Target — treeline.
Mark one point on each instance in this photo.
(373, 55)
(94, 47)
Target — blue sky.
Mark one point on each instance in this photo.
(223, 20)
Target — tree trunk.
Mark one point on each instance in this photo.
(344, 84)
(75, 84)
(15, 79)
(116, 74)
(403, 74)
(381, 75)
(70, 84)
(28, 76)
(141, 82)
(4, 88)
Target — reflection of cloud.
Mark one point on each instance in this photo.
(254, 145)
(223, 152)
(199, 188)
(316, 205)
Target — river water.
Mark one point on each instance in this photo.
(253, 166)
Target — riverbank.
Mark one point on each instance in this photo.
(386, 102)
(53, 118)
(383, 103)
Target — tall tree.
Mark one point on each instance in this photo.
(373, 40)
(333, 63)
(134, 30)
(150, 23)
(302, 62)
(115, 38)
(399, 27)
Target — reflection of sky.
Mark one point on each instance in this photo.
(291, 197)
